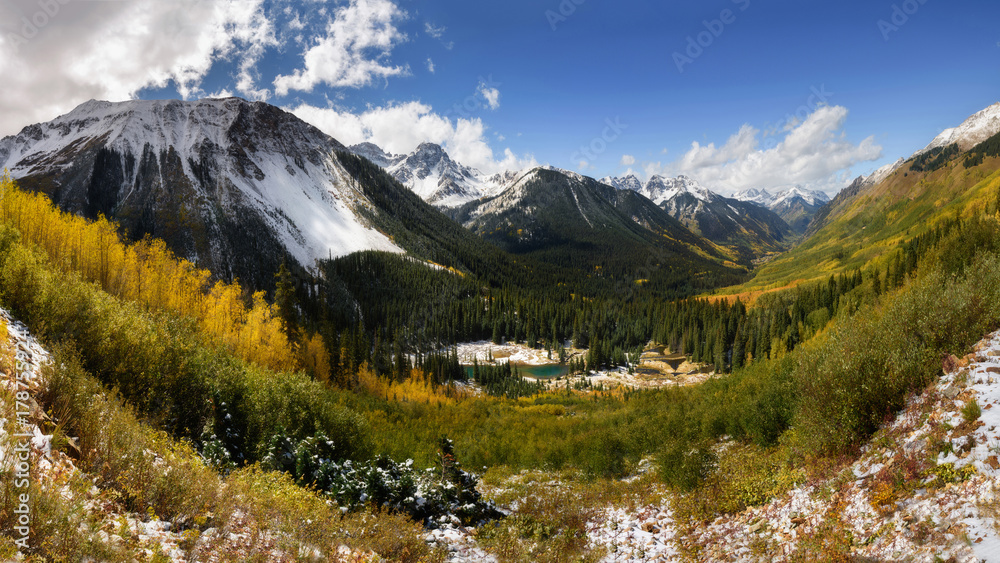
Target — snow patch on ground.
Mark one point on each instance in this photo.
(957, 520)
(518, 354)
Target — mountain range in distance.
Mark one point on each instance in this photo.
(239, 187)
(747, 230)
(433, 175)
(570, 220)
(441, 181)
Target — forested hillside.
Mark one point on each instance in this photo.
(868, 224)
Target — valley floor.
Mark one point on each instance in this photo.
(948, 511)
(652, 371)
(952, 514)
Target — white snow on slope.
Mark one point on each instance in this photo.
(431, 174)
(660, 189)
(882, 173)
(809, 196)
(310, 209)
(959, 519)
(766, 199)
(974, 130)
(760, 197)
(629, 182)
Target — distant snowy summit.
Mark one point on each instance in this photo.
(723, 220)
(434, 176)
(661, 189)
(796, 205)
(783, 197)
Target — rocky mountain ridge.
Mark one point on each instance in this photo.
(432, 174)
(747, 227)
(225, 182)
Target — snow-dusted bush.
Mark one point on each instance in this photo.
(446, 494)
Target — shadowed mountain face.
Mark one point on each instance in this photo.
(747, 229)
(795, 206)
(570, 220)
(234, 186)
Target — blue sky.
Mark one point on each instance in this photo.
(589, 85)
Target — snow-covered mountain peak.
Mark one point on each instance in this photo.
(661, 189)
(374, 153)
(432, 174)
(753, 195)
(974, 130)
(782, 197)
(629, 182)
(213, 156)
(795, 205)
(812, 197)
(430, 150)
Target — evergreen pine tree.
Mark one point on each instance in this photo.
(284, 299)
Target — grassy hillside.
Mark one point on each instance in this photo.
(867, 227)
(863, 345)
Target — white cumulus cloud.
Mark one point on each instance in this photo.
(814, 153)
(490, 95)
(343, 57)
(400, 128)
(627, 160)
(112, 50)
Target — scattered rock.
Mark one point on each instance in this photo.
(951, 391)
(949, 364)
(73, 449)
(915, 447)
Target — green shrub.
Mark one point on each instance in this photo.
(163, 370)
(61, 529)
(971, 411)
(151, 473)
(609, 453)
(286, 516)
(863, 372)
(738, 477)
(684, 467)
(432, 496)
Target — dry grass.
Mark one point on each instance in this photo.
(553, 511)
(144, 473)
(750, 296)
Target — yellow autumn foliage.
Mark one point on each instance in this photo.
(417, 388)
(148, 273)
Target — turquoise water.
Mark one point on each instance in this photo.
(539, 372)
